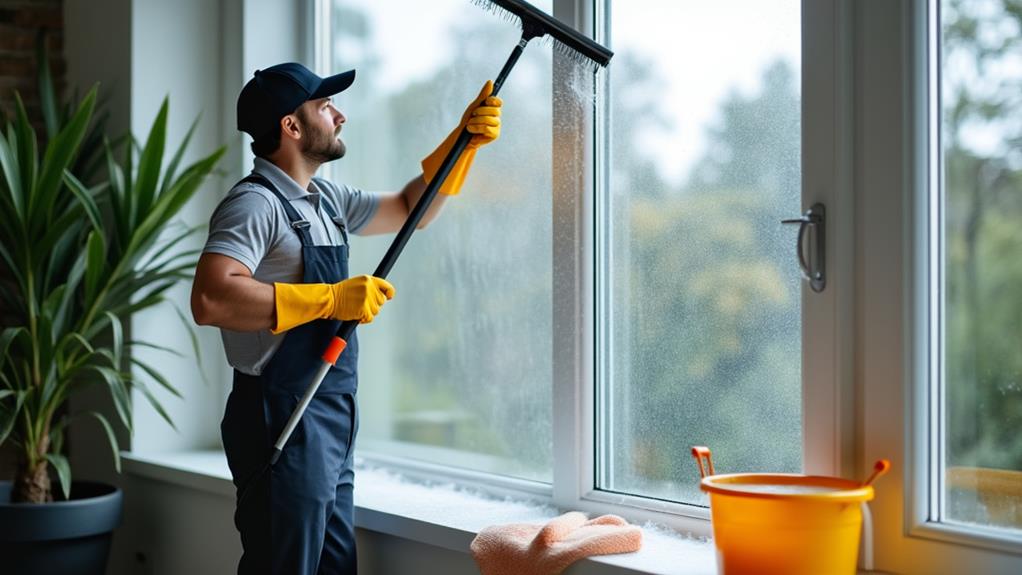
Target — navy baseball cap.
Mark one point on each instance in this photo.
(279, 90)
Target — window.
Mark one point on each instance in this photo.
(977, 279)
(924, 128)
(701, 335)
(457, 369)
(614, 284)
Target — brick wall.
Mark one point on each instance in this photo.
(20, 22)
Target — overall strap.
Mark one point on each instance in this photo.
(333, 217)
(299, 224)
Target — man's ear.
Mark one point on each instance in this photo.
(290, 127)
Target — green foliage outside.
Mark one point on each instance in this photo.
(712, 321)
(983, 189)
(982, 147)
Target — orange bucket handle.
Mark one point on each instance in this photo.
(700, 453)
(881, 467)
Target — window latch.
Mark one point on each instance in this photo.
(811, 223)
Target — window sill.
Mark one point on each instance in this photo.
(443, 516)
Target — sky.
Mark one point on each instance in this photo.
(703, 51)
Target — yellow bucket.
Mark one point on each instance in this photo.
(774, 523)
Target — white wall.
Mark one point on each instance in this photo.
(176, 52)
(170, 529)
(177, 531)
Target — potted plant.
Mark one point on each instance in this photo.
(79, 258)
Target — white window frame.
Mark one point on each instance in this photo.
(897, 136)
(827, 368)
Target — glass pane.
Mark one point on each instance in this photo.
(704, 289)
(981, 134)
(456, 370)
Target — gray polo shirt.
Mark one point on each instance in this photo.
(251, 226)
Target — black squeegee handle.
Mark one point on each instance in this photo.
(415, 216)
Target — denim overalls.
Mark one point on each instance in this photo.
(296, 519)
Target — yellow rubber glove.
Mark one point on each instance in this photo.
(360, 298)
(482, 118)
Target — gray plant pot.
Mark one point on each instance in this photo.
(67, 537)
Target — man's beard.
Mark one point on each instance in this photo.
(322, 147)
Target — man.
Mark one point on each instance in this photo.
(273, 277)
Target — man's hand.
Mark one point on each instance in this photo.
(359, 298)
(482, 119)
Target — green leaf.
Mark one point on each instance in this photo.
(57, 435)
(59, 153)
(156, 404)
(139, 343)
(149, 163)
(111, 437)
(59, 462)
(167, 247)
(83, 195)
(96, 266)
(75, 336)
(52, 307)
(12, 171)
(167, 206)
(15, 271)
(118, 337)
(152, 298)
(158, 377)
(119, 392)
(7, 425)
(47, 97)
(116, 179)
(91, 158)
(27, 161)
(74, 278)
(68, 222)
(106, 353)
(6, 337)
(129, 198)
(63, 245)
(168, 177)
(190, 329)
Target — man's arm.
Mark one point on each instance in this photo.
(482, 120)
(225, 295)
(395, 206)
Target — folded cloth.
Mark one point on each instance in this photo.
(528, 549)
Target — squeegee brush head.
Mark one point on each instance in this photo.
(535, 23)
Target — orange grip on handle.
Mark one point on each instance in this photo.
(333, 351)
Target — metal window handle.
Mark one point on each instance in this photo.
(813, 269)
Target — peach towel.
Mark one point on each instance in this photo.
(528, 549)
